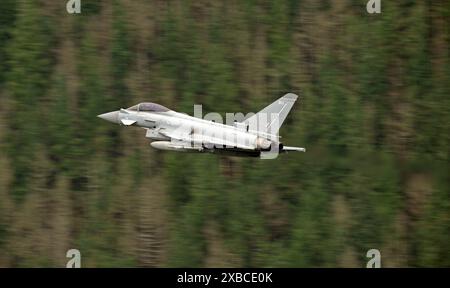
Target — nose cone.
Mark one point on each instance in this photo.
(110, 116)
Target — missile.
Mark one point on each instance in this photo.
(169, 146)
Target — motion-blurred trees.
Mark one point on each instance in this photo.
(30, 63)
(373, 114)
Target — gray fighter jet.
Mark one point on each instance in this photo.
(255, 136)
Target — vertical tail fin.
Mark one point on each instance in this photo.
(270, 119)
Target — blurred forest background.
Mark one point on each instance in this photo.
(373, 116)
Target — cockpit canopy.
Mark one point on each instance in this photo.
(149, 107)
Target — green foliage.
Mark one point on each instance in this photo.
(120, 57)
(102, 251)
(432, 229)
(3, 233)
(7, 18)
(91, 7)
(373, 114)
(311, 231)
(27, 81)
(59, 130)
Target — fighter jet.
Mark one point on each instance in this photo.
(255, 136)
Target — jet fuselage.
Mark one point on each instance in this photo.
(176, 131)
